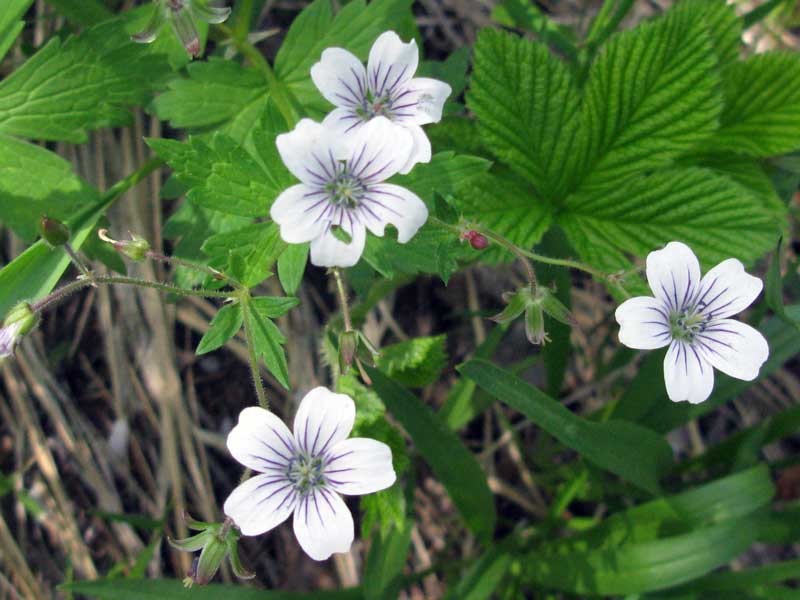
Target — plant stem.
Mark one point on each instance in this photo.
(218, 275)
(282, 99)
(516, 251)
(337, 274)
(77, 261)
(252, 357)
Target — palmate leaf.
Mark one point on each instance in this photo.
(86, 82)
(762, 106)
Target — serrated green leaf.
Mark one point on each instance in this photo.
(675, 204)
(724, 27)
(604, 444)
(416, 362)
(273, 306)
(292, 266)
(82, 12)
(248, 254)
(268, 342)
(299, 48)
(221, 174)
(527, 107)
(11, 24)
(86, 82)
(762, 106)
(452, 463)
(225, 324)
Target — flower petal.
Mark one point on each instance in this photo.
(643, 323)
(389, 203)
(343, 120)
(261, 503)
(210, 13)
(261, 441)
(9, 336)
(360, 466)
(310, 152)
(727, 289)
(300, 211)
(184, 27)
(391, 63)
(154, 23)
(323, 524)
(329, 251)
(422, 101)
(687, 373)
(379, 150)
(673, 274)
(341, 78)
(420, 151)
(735, 348)
(323, 419)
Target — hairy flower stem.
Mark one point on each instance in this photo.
(337, 274)
(76, 260)
(218, 275)
(285, 101)
(252, 357)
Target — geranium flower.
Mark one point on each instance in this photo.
(19, 321)
(690, 315)
(305, 473)
(386, 88)
(182, 14)
(342, 187)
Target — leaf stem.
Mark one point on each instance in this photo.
(218, 275)
(252, 357)
(348, 323)
(77, 260)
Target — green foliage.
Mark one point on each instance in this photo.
(599, 443)
(267, 340)
(225, 324)
(11, 24)
(452, 463)
(416, 362)
(86, 82)
(385, 561)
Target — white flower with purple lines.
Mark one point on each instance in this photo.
(386, 88)
(690, 315)
(342, 187)
(305, 473)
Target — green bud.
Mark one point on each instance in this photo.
(135, 248)
(348, 348)
(215, 542)
(367, 352)
(53, 231)
(534, 325)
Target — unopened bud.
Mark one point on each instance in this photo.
(53, 231)
(348, 349)
(215, 541)
(135, 248)
(477, 240)
(534, 325)
(19, 321)
(515, 305)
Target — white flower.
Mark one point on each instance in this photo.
(342, 186)
(387, 87)
(305, 473)
(9, 336)
(690, 315)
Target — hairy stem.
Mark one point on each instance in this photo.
(252, 357)
(348, 323)
(218, 275)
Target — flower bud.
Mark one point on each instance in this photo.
(19, 321)
(348, 349)
(477, 240)
(515, 305)
(53, 231)
(534, 325)
(215, 541)
(135, 248)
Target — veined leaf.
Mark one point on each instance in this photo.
(452, 463)
(291, 266)
(675, 204)
(223, 327)
(11, 24)
(605, 444)
(762, 106)
(416, 362)
(83, 12)
(527, 107)
(84, 83)
(268, 341)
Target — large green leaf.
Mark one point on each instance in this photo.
(762, 106)
(447, 456)
(527, 107)
(86, 82)
(607, 444)
(173, 589)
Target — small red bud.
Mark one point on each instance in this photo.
(477, 240)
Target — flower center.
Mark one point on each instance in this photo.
(346, 189)
(305, 473)
(176, 5)
(375, 106)
(687, 323)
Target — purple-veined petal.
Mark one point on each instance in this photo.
(154, 23)
(341, 78)
(343, 120)
(311, 152)
(734, 348)
(379, 150)
(328, 251)
(261, 503)
(323, 524)
(391, 63)
(186, 30)
(8, 338)
(727, 290)
(421, 101)
(420, 151)
(643, 323)
(674, 275)
(301, 213)
(687, 373)
(210, 12)
(261, 441)
(360, 466)
(388, 203)
(323, 419)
